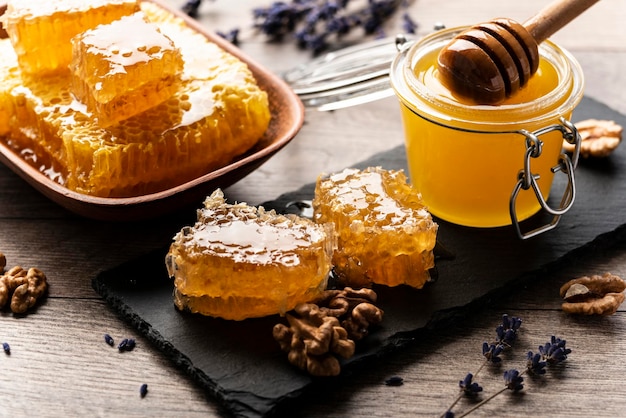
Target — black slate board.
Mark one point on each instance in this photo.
(240, 364)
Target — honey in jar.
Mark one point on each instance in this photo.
(466, 158)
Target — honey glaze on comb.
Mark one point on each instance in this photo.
(247, 241)
(385, 233)
(239, 261)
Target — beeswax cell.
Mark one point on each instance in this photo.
(241, 262)
(118, 76)
(41, 30)
(385, 233)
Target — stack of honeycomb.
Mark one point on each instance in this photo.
(9, 78)
(385, 234)
(239, 261)
(216, 113)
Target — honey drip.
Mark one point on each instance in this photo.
(241, 262)
(384, 232)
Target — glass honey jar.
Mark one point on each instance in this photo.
(488, 165)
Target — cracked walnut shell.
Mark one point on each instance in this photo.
(599, 138)
(595, 295)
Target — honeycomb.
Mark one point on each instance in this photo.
(385, 234)
(10, 78)
(118, 76)
(240, 262)
(217, 113)
(40, 30)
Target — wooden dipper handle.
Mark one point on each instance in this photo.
(554, 16)
(491, 61)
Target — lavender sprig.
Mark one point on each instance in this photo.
(551, 353)
(506, 333)
(315, 24)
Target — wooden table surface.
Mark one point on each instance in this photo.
(59, 365)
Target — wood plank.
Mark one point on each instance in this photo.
(61, 366)
(72, 252)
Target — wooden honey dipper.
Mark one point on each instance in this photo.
(491, 61)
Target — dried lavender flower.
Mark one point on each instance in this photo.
(534, 363)
(127, 344)
(513, 380)
(231, 36)
(191, 7)
(109, 340)
(554, 351)
(7, 348)
(143, 390)
(408, 24)
(394, 381)
(507, 331)
(491, 352)
(468, 387)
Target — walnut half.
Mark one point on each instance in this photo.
(599, 138)
(595, 295)
(355, 309)
(322, 331)
(23, 288)
(313, 340)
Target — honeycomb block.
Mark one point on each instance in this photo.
(385, 234)
(118, 76)
(240, 262)
(41, 30)
(9, 78)
(211, 119)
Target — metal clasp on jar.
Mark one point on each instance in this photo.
(527, 180)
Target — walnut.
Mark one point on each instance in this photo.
(313, 339)
(354, 308)
(599, 138)
(595, 295)
(22, 287)
(3, 262)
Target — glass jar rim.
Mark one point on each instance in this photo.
(431, 105)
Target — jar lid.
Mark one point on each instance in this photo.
(348, 77)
